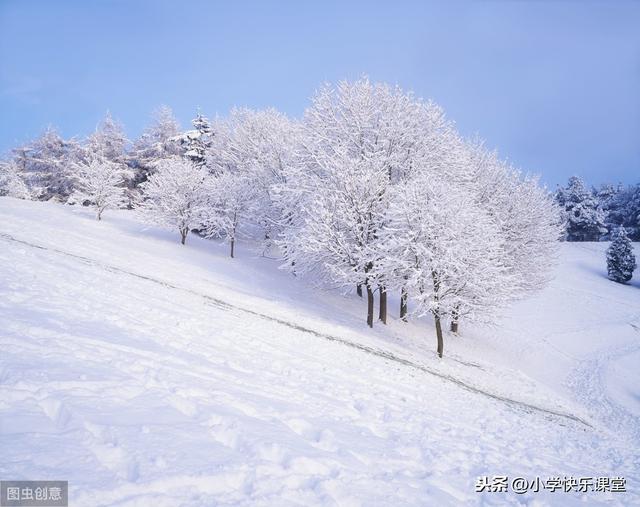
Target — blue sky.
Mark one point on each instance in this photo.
(554, 86)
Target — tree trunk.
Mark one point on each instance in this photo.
(439, 334)
(369, 306)
(359, 289)
(233, 233)
(403, 304)
(382, 315)
(436, 312)
(183, 235)
(99, 214)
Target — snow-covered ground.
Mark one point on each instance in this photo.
(149, 373)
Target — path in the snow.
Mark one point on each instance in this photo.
(588, 382)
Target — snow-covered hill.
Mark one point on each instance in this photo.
(149, 373)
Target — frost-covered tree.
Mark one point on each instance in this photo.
(44, 166)
(357, 140)
(109, 140)
(99, 183)
(585, 220)
(621, 262)
(110, 143)
(229, 197)
(156, 143)
(446, 252)
(526, 213)
(11, 183)
(173, 197)
(252, 157)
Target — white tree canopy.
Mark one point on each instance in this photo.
(173, 197)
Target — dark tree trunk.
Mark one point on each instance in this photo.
(436, 313)
(370, 301)
(439, 334)
(359, 289)
(183, 236)
(233, 231)
(382, 315)
(369, 306)
(403, 304)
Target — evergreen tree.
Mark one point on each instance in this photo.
(608, 198)
(620, 258)
(631, 219)
(197, 142)
(622, 208)
(584, 219)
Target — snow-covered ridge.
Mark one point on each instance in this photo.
(147, 372)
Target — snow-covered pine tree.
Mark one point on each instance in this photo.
(99, 183)
(584, 219)
(174, 196)
(621, 262)
(631, 214)
(608, 198)
(196, 142)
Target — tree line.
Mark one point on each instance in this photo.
(595, 214)
(373, 191)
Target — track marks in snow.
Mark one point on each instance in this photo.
(527, 407)
(588, 381)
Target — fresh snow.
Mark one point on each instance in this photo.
(149, 373)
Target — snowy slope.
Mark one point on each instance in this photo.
(148, 373)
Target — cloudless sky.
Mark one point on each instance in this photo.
(553, 85)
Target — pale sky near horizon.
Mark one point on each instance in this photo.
(553, 86)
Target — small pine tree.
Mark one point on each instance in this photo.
(198, 141)
(620, 258)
